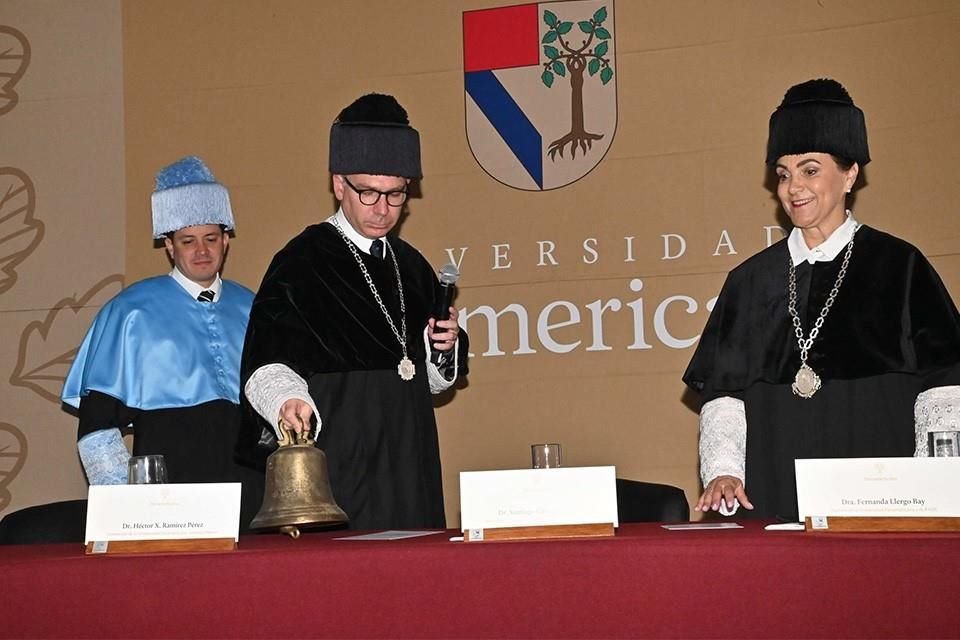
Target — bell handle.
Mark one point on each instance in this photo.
(288, 436)
(283, 433)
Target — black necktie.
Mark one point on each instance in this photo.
(205, 296)
(376, 248)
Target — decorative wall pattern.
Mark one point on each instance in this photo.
(13, 455)
(48, 346)
(14, 60)
(20, 231)
(61, 226)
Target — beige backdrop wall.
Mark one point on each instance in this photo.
(679, 198)
(62, 216)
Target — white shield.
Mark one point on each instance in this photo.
(540, 90)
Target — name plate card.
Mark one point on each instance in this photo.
(559, 502)
(163, 517)
(875, 489)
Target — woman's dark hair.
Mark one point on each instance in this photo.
(843, 163)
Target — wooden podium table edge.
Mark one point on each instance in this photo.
(541, 532)
(906, 524)
(175, 545)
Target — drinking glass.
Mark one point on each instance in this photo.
(545, 456)
(150, 469)
(944, 444)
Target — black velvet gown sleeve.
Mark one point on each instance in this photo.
(101, 411)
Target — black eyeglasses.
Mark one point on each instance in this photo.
(370, 197)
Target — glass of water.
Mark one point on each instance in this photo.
(150, 469)
(545, 456)
(944, 444)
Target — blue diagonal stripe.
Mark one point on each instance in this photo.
(508, 119)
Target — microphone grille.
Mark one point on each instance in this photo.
(449, 273)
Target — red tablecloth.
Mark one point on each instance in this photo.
(645, 582)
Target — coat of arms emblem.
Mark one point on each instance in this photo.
(540, 90)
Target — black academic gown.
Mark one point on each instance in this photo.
(892, 332)
(314, 312)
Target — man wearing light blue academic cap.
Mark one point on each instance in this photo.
(163, 356)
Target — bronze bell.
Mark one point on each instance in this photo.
(297, 489)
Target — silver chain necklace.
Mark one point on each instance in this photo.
(405, 369)
(807, 382)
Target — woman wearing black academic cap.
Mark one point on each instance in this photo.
(838, 341)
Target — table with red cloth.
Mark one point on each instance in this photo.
(644, 582)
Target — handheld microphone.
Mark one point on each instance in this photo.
(449, 274)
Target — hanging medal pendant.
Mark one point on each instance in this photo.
(806, 382)
(407, 370)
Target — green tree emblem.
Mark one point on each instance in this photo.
(561, 58)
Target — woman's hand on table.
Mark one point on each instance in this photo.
(721, 494)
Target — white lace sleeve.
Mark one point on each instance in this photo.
(104, 457)
(273, 384)
(936, 409)
(439, 382)
(723, 439)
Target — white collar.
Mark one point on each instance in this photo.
(825, 251)
(193, 288)
(363, 243)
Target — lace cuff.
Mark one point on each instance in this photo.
(273, 384)
(936, 409)
(435, 374)
(104, 457)
(723, 439)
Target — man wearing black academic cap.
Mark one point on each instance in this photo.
(341, 332)
(839, 341)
